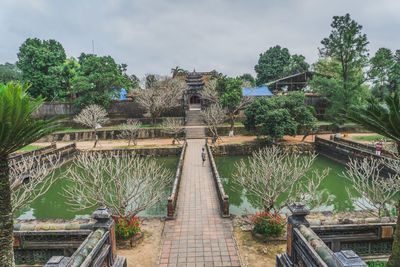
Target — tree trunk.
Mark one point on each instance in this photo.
(96, 138)
(394, 259)
(6, 216)
(398, 149)
(306, 133)
(232, 122)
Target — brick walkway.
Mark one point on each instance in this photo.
(199, 236)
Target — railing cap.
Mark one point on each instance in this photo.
(58, 261)
(299, 209)
(348, 258)
(101, 213)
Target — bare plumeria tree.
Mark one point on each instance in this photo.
(214, 115)
(210, 94)
(272, 173)
(31, 177)
(161, 96)
(174, 127)
(92, 116)
(130, 131)
(125, 183)
(366, 178)
(391, 148)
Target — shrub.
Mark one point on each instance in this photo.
(376, 263)
(126, 228)
(267, 224)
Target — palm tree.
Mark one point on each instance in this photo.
(175, 71)
(384, 119)
(380, 118)
(17, 129)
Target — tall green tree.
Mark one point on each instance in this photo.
(276, 63)
(129, 82)
(248, 78)
(379, 73)
(68, 71)
(343, 57)
(297, 64)
(9, 72)
(271, 64)
(17, 129)
(384, 119)
(38, 60)
(99, 80)
(394, 75)
(231, 98)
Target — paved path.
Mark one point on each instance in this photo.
(199, 236)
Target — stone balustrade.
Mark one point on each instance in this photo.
(306, 248)
(342, 153)
(222, 197)
(172, 199)
(91, 243)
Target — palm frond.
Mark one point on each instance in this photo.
(17, 127)
(381, 118)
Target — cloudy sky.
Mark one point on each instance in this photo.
(226, 35)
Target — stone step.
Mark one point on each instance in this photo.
(193, 133)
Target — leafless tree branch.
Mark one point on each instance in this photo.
(130, 131)
(92, 116)
(31, 177)
(173, 126)
(127, 184)
(161, 96)
(214, 115)
(209, 93)
(272, 173)
(376, 191)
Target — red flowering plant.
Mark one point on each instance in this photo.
(267, 224)
(125, 228)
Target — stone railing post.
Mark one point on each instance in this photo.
(104, 220)
(299, 212)
(58, 261)
(347, 258)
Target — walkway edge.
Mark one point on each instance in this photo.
(223, 198)
(172, 199)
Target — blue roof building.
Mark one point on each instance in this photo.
(258, 91)
(122, 94)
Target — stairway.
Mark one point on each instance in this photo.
(195, 126)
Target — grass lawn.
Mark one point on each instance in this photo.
(71, 130)
(106, 128)
(323, 122)
(150, 126)
(148, 146)
(368, 137)
(29, 148)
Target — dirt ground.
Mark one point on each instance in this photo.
(256, 253)
(145, 252)
(164, 142)
(167, 142)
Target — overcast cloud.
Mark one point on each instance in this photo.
(226, 35)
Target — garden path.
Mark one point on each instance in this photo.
(198, 236)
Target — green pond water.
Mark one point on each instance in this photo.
(52, 205)
(334, 185)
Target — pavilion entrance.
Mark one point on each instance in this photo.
(194, 102)
(194, 99)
